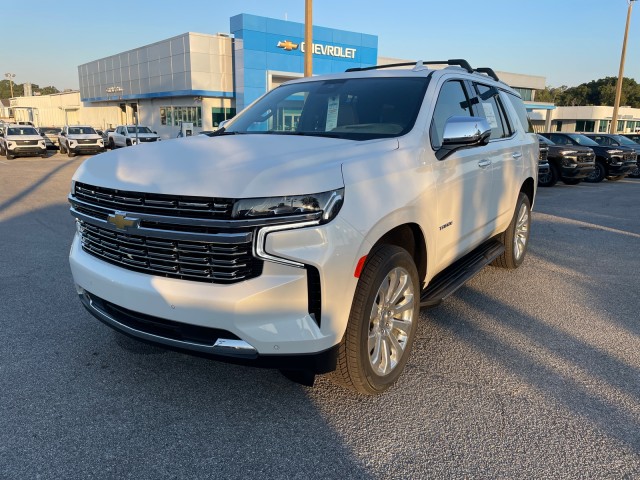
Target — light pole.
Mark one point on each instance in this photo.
(616, 103)
(308, 38)
(10, 77)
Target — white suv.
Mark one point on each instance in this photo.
(308, 232)
(80, 139)
(21, 141)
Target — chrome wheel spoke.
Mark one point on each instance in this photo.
(403, 326)
(385, 357)
(403, 307)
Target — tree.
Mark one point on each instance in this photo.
(596, 92)
(18, 89)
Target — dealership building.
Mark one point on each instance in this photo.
(206, 78)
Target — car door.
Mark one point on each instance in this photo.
(504, 151)
(463, 181)
(119, 138)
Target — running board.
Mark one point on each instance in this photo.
(460, 272)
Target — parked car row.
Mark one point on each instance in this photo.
(575, 157)
(23, 139)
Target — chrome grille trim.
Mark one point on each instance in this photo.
(205, 262)
(229, 238)
(99, 211)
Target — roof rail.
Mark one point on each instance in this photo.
(455, 61)
(488, 71)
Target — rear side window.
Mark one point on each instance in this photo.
(453, 101)
(490, 107)
(518, 106)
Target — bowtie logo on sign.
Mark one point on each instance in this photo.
(288, 45)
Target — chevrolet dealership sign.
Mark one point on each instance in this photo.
(320, 49)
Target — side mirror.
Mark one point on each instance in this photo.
(463, 132)
(223, 123)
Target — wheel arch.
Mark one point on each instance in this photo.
(528, 188)
(410, 237)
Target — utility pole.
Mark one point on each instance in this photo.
(10, 77)
(308, 38)
(616, 104)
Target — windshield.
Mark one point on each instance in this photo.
(583, 140)
(355, 108)
(625, 141)
(22, 131)
(50, 131)
(545, 140)
(140, 129)
(81, 131)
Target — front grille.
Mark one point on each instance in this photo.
(189, 260)
(26, 142)
(146, 139)
(544, 153)
(87, 142)
(157, 204)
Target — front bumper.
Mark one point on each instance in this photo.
(271, 313)
(20, 151)
(206, 342)
(87, 149)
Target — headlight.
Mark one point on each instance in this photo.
(568, 152)
(326, 205)
(72, 143)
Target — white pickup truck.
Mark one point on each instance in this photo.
(309, 231)
(127, 135)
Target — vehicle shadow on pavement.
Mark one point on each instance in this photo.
(80, 400)
(587, 381)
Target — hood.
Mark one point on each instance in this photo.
(84, 136)
(231, 166)
(556, 149)
(15, 138)
(144, 135)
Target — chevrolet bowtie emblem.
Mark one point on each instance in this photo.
(120, 220)
(287, 45)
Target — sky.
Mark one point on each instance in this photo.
(568, 42)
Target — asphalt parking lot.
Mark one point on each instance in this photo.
(533, 373)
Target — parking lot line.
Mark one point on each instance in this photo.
(4, 162)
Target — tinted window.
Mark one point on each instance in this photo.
(453, 101)
(22, 131)
(490, 107)
(521, 111)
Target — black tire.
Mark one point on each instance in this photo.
(70, 153)
(375, 330)
(43, 155)
(516, 237)
(112, 144)
(128, 143)
(8, 155)
(549, 179)
(598, 174)
(62, 149)
(571, 181)
(635, 173)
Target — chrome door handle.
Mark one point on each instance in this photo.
(484, 163)
(516, 155)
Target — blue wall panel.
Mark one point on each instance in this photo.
(260, 52)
